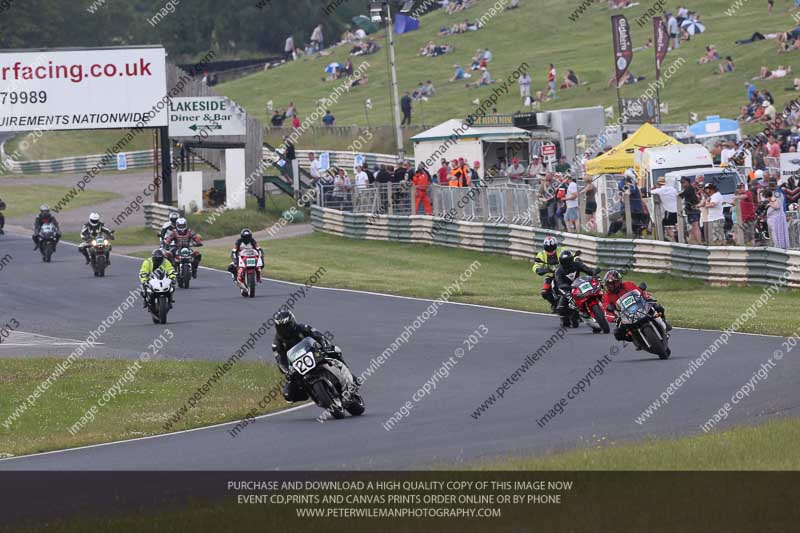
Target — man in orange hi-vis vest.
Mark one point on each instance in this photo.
(422, 183)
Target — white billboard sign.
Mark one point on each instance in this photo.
(790, 165)
(82, 89)
(204, 116)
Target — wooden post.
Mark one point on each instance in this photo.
(738, 234)
(626, 198)
(658, 214)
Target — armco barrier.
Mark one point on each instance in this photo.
(139, 159)
(715, 264)
(155, 215)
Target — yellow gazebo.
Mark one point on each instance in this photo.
(620, 158)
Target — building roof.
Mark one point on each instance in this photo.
(456, 127)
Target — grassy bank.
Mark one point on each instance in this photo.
(58, 144)
(140, 409)
(24, 200)
(424, 271)
(770, 446)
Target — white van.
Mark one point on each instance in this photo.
(652, 163)
(725, 179)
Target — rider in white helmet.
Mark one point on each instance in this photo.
(92, 229)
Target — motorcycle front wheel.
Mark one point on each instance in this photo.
(356, 407)
(601, 319)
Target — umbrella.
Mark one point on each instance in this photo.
(693, 27)
(333, 67)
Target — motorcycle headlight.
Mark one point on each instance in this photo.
(94, 243)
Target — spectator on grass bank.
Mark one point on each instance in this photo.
(328, 119)
(405, 107)
(317, 40)
(295, 122)
(525, 87)
(727, 66)
(288, 49)
(458, 74)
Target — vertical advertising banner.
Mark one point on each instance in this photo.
(661, 41)
(623, 49)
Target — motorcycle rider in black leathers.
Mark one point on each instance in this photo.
(44, 217)
(569, 268)
(288, 333)
(245, 240)
(90, 230)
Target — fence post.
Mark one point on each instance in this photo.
(389, 198)
(658, 216)
(581, 211)
(626, 198)
(413, 200)
(436, 191)
(681, 226)
(738, 232)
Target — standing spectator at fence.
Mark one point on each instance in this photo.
(545, 199)
(747, 213)
(422, 184)
(313, 167)
(776, 220)
(399, 177)
(474, 174)
(342, 187)
(362, 178)
(571, 199)
(691, 204)
(715, 219)
(591, 204)
(288, 48)
(441, 174)
(536, 168)
(405, 107)
(383, 178)
(516, 171)
(669, 207)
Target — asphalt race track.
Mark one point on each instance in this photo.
(62, 300)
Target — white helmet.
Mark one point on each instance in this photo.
(759, 174)
(94, 219)
(630, 174)
(550, 244)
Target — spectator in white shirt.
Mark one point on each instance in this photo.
(571, 215)
(362, 179)
(726, 154)
(314, 165)
(715, 220)
(525, 86)
(669, 205)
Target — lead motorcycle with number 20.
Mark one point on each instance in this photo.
(327, 380)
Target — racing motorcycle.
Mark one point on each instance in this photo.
(47, 241)
(182, 261)
(586, 297)
(158, 291)
(645, 325)
(98, 254)
(248, 272)
(327, 380)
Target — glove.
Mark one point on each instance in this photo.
(596, 271)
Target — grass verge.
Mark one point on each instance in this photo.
(769, 446)
(423, 271)
(25, 199)
(140, 409)
(231, 221)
